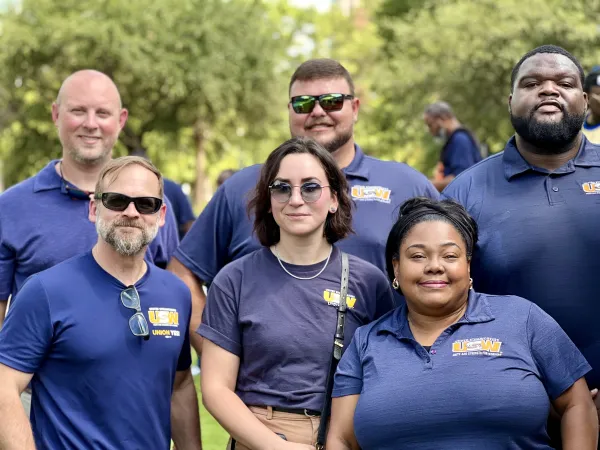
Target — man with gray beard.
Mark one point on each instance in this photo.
(103, 337)
(537, 204)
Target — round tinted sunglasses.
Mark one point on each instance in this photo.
(304, 104)
(282, 192)
(120, 202)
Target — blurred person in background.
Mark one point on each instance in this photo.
(322, 106)
(591, 125)
(224, 176)
(103, 337)
(44, 220)
(537, 204)
(460, 147)
(271, 315)
(421, 377)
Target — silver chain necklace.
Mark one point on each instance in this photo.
(302, 278)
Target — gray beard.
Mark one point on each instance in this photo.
(125, 246)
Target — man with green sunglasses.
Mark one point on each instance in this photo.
(322, 105)
(103, 337)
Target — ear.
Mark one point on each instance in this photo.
(334, 201)
(162, 215)
(123, 118)
(355, 108)
(55, 109)
(396, 265)
(93, 211)
(509, 102)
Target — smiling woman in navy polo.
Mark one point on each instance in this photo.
(455, 369)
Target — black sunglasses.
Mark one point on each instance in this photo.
(137, 323)
(71, 191)
(304, 104)
(120, 202)
(282, 192)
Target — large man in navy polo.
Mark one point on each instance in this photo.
(537, 204)
(223, 232)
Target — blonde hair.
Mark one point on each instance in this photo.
(115, 166)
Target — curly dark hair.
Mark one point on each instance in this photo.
(337, 225)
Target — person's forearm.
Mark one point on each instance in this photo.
(3, 307)
(579, 428)
(15, 429)
(185, 418)
(337, 443)
(238, 420)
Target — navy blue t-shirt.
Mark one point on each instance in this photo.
(95, 384)
(41, 225)
(486, 382)
(282, 328)
(459, 153)
(181, 206)
(538, 236)
(223, 231)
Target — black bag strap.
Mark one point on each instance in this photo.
(338, 346)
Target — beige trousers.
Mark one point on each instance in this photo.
(298, 428)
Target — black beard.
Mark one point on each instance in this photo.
(338, 142)
(549, 138)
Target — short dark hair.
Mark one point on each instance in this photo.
(545, 49)
(337, 225)
(321, 69)
(423, 209)
(592, 79)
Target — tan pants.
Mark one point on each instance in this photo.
(295, 427)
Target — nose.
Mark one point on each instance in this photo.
(549, 88)
(131, 210)
(296, 197)
(318, 111)
(434, 265)
(90, 121)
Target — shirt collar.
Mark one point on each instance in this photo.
(357, 168)
(47, 178)
(478, 311)
(515, 164)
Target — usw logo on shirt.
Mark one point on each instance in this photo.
(333, 298)
(164, 317)
(371, 193)
(477, 346)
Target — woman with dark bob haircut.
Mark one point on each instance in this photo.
(271, 316)
(453, 368)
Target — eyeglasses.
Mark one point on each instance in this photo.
(304, 104)
(282, 192)
(120, 202)
(137, 323)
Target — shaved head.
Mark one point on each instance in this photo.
(86, 75)
(89, 117)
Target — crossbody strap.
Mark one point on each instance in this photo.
(338, 346)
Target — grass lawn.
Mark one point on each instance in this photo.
(213, 436)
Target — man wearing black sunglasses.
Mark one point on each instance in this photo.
(103, 337)
(322, 105)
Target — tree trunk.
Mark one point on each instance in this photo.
(202, 190)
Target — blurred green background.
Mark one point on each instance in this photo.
(205, 81)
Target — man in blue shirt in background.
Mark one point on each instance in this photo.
(537, 203)
(460, 150)
(322, 106)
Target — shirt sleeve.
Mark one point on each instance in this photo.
(559, 361)
(166, 241)
(348, 378)
(27, 333)
(220, 323)
(458, 154)
(186, 214)
(7, 267)
(204, 249)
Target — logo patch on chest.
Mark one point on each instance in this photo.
(477, 346)
(371, 193)
(164, 318)
(591, 187)
(333, 298)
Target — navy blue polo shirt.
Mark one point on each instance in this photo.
(223, 231)
(460, 152)
(95, 384)
(41, 225)
(486, 382)
(282, 328)
(538, 237)
(181, 206)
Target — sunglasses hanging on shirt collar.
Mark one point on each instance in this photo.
(72, 191)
